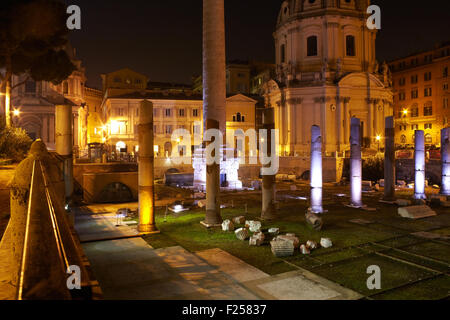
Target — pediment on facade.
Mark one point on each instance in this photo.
(361, 79)
(240, 98)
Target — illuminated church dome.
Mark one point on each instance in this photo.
(326, 74)
(296, 8)
(319, 35)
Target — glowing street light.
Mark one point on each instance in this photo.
(378, 138)
(16, 113)
(405, 112)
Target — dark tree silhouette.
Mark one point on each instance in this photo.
(33, 35)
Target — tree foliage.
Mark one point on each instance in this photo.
(33, 34)
(373, 168)
(14, 143)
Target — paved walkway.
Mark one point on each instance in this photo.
(129, 268)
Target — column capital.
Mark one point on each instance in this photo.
(373, 100)
(346, 100)
(322, 99)
(294, 100)
(319, 99)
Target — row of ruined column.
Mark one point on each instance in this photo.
(342, 120)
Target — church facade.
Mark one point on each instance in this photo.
(327, 73)
(33, 105)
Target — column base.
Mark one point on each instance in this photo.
(388, 199)
(269, 215)
(210, 225)
(420, 196)
(148, 229)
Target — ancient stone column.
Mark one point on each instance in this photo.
(268, 181)
(355, 163)
(419, 165)
(64, 145)
(445, 159)
(146, 175)
(389, 161)
(214, 96)
(316, 170)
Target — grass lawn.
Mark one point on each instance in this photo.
(408, 271)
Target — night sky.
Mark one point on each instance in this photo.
(163, 39)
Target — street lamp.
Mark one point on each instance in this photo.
(405, 112)
(378, 138)
(16, 114)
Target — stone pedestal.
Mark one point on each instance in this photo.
(146, 170)
(419, 165)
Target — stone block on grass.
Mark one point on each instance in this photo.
(257, 239)
(294, 240)
(253, 226)
(304, 249)
(274, 231)
(227, 225)
(416, 212)
(239, 220)
(326, 243)
(281, 248)
(242, 234)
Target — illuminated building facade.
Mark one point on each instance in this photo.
(175, 106)
(422, 96)
(33, 105)
(327, 74)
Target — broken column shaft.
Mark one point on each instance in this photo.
(268, 181)
(316, 170)
(146, 174)
(64, 145)
(389, 161)
(445, 159)
(419, 165)
(355, 163)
